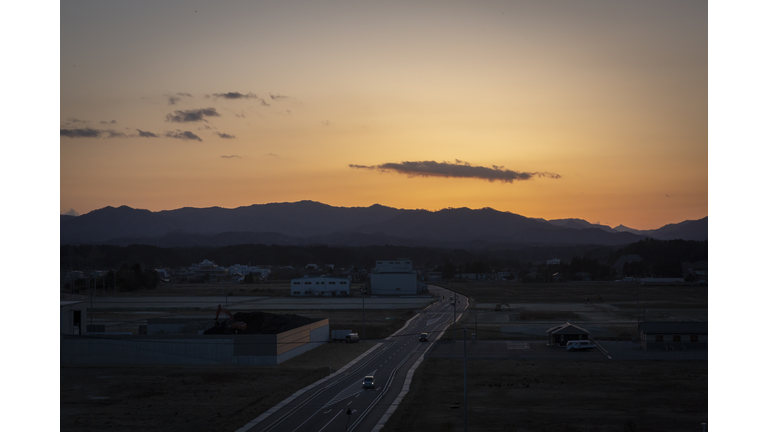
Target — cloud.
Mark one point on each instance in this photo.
(172, 99)
(186, 135)
(223, 135)
(80, 133)
(272, 154)
(184, 94)
(74, 120)
(115, 134)
(191, 115)
(106, 122)
(231, 157)
(235, 95)
(325, 122)
(460, 169)
(278, 96)
(145, 134)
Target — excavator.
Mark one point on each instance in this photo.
(234, 327)
(498, 306)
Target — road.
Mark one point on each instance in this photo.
(340, 403)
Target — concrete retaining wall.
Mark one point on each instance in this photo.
(192, 349)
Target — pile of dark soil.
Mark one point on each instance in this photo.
(263, 323)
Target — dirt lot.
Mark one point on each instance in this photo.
(550, 395)
(188, 398)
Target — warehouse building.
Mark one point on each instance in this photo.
(394, 277)
(673, 335)
(323, 286)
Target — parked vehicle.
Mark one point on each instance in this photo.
(423, 337)
(369, 382)
(339, 335)
(580, 345)
(351, 338)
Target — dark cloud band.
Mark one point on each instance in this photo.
(191, 115)
(185, 135)
(460, 169)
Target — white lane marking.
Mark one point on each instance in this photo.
(350, 402)
(334, 418)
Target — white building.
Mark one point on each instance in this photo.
(246, 269)
(394, 277)
(325, 286)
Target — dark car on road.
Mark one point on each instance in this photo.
(369, 382)
(423, 337)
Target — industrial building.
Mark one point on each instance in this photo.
(673, 335)
(323, 286)
(170, 348)
(394, 277)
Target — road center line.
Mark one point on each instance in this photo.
(334, 418)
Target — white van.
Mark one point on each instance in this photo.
(579, 345)
(351, 338)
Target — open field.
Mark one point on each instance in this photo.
(618, 293)
(550, 395)
(188, 398)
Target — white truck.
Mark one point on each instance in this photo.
(339, 335)
(580, 345)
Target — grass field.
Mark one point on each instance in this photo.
(551, 395)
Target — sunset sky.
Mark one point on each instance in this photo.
(574, 109)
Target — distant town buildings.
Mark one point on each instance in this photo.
(323, 286)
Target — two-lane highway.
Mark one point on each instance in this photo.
(341, 403)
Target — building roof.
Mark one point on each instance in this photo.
(674, 327)
(567, 328)
(67, 303)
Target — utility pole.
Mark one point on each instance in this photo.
(362, 294)
(465, 379)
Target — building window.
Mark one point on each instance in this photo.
(297, 283)
(659, 338)
(307, 283)
(694, 338)
(343, 283)
(331, 283)
(297, 292)
(676, 338)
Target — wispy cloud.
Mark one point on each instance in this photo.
(231, 157)
(185, 135)
(238, 95)
(106, 122)
(75, 120)
(80, 133)
(235, 95)
(459, 169)
(224, 135)
(325, 122)
(145, 134)
(278, 96)
(191, 115)
(173, 98)
(272, 155)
